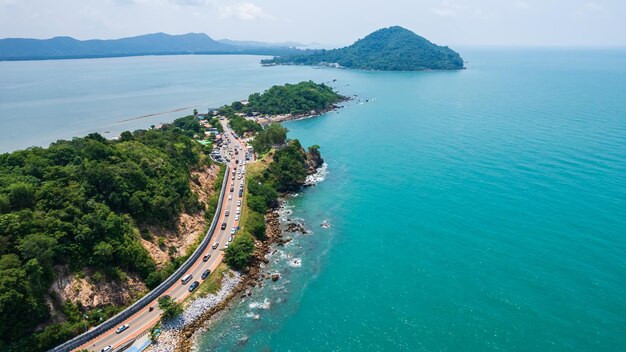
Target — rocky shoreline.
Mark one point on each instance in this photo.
(266, 120)
(182, 334)
(185, 337)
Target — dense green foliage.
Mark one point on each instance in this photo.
(255, 223)
(238, 254)
(261, 195)
(189, 124)
(272, 135)
(389, 49)
(78, 203)
(298, 98)
(170, 308)
(242, 125)
(287, 172)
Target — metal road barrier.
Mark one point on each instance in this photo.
(148, 298)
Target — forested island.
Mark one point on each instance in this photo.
(388, 49)
(296, 100)
(96, 212)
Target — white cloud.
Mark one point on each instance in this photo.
(446, 9)
(444, 12)
(521, 5)
(593, 6)
(190, 2)
(245, 12)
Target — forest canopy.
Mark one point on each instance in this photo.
(77, 204)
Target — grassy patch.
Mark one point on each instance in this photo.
(213, 283)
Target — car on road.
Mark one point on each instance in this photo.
(206, 257)
(232, 189)
(226, 213)
(121, 329)
(186, 279)
(238, 211)
(232, 231)
(215, 245)
(236, 217)
(205, 274)
(240, 194)
(239, 203)
(225, 246)
(230, 196)
(230, 239)
(224, 225)
(193, 286)
(107, 349)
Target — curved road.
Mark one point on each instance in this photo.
(145, 319)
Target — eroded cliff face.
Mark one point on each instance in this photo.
(313, 159)
(92, 291)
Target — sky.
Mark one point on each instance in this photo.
(331, 22)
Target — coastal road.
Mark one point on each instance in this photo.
(145, 319)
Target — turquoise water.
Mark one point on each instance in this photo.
(479, 210)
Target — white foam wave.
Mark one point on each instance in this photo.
(266, 304)
(318, 176)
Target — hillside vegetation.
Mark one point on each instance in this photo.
(387, 49)
(77, 204)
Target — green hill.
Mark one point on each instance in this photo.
(78, 204)
(387, 49)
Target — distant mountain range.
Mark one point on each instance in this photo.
(387, 49)
(255, 44)
(149, 44)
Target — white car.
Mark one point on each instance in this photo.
(107, 349)
(232, 231)
(121, 329)
(230, 196)
(239, 203)
(236, 217)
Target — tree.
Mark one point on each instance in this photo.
(21, 195)
(39, 246)
(170, 308)
(237, 255)
(255, 223)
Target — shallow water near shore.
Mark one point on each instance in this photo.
(475, 210)
(478, 210)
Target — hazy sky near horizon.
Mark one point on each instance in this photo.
(446, 22)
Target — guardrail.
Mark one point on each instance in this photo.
(148, 298)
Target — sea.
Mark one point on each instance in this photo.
(474, 210)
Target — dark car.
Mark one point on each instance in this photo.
(232, 189)
(206, 257)
(193, 286)
(240, 193)
(223, 226)
(205, 274)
